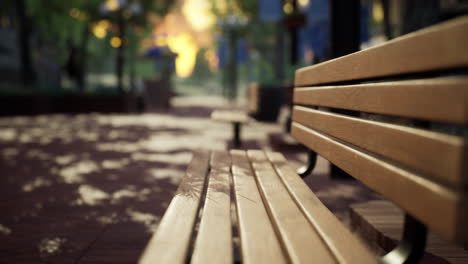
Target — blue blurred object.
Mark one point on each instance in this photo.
(153, 52)
(164, 58)
(222, 51)
(318, 12)
(242, 51)
(316, 35)
(270, 10)
(364, 30)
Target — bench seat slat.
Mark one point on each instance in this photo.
(258, 240)
(438, 47)
(422, 198)
(230, 116)
(214, 239)
(346, 247)
(170, 244)
(301, 241)
(437, 155)
(435, 99)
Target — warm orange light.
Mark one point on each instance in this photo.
(198, 14)
(212, 59)
(288, 8)
(160, 41)
(303, 2)
(100, 28)
(104, 23)
(112, 5)
(99, 32)
(377, 12)
(186, 48)
(116, 42)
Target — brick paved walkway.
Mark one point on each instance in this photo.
(92, 188)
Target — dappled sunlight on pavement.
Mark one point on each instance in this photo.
(80, 187)
(84, 188)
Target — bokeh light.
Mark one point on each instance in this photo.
(198, 14)
(100, 28)
(112, 5)
(186, 48)
(303, 2)
(288, 8)
(115, 42)
(377, 12)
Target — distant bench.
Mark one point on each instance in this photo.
(403, 136)
(236, 118)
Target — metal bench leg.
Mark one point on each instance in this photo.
(411, 247)
(311, 162)
(237, 131)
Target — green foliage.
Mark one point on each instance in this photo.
(248, 7)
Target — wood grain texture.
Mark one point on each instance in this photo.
(230, 116)
(170, 243)
(299, 238)
(214, 239)
(437, 99)
(344, 245)
(436, 155)
(438, 47)
(258, 240)
(440, 208)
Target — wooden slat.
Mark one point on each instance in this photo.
(437, 47)
(344, 245)
(437, 99)
(253, 97)
(258, 240)
(214, 240)
(440, 208)
(300, 239)
(170, 243)
(434, 154)
(230, 116)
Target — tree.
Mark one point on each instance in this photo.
(133, 13)
(68, 24)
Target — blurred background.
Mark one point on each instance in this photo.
(183, 47)
(103, 101)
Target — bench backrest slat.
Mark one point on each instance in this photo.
(436, 99)
(437, 206)
(435, 155)
(258, 242)
(213, 243)
(402, 134)
(435, 48)
(172, 240)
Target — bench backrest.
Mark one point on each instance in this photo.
(405, 134)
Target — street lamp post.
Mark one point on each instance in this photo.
(232, 24)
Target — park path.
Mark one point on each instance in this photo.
(92, 188)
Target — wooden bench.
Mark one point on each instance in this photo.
(408, 100)
(236, 118)
(278, 219)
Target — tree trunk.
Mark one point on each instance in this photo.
(387, 25)
(121, 53)
(418, 14)
(27, 73)
(83, 58)
(279, 52)
(232, 63)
